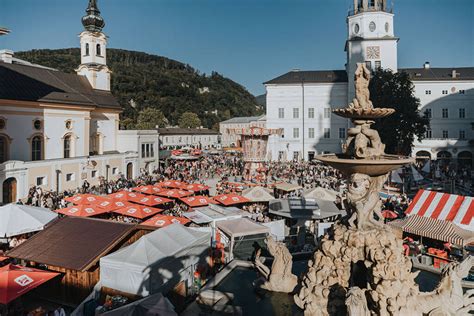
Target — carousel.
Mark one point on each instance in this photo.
(254, 142)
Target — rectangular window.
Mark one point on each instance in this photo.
(445, 134)
(378, 64)
(296, 113)
(69, 177)
(462, 135)
(428, 133)
(281, 113)
(327, 133)
(41, 181)
(462, 91)
(445, 113)
(281, 155)
(152, 150)
(462, 113)
(342, 133)
(444, 92)
(310, 113)
(93, 173)
(296, 155)
(427, 91)
(143, 151)
(296, 132)
(428, 113)
(327, 112)
(368, 64)
(311, 132)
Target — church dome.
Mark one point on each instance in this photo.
(93, 22)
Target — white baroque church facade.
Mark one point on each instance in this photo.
(59, 129)
(300, 102)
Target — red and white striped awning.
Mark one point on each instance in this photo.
(443, 206)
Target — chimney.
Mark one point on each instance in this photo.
(454, 73)
(426, 65)
(6, 56)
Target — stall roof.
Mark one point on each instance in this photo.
(311, 209)
(287, 187)
(73, 242)
(434, 228)
(242, 227)
(321, 193)
(257, 194)
(207, 214)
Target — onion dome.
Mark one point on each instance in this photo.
(93, 22)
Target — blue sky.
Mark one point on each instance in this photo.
(249, 41)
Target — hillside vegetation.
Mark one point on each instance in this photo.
(141, 80)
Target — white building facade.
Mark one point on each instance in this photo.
(201, 138)
(301, 101)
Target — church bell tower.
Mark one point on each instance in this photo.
(93, 49)
(371, 38)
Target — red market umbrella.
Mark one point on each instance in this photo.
(389, 214)
(230, 199)
(3, 258)
(112, 205)
(165, 220)
(173, 184)
(195, 187)
(82, 210)
(196, 201)
(125, 195)
(150, 200)
(175, 193)
(85, 199)
(17, 280)
(148, 189)
(138, 211)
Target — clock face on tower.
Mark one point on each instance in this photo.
(373, 52)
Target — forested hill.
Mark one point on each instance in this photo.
(141, 80)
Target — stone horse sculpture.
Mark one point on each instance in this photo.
(279, 278)
(448, 298)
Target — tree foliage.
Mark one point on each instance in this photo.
(398, 131)
(150, 118)
(161, 83)
(189, 120)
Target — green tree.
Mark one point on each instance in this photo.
(149, 118)
(189, 120)
(398, 131)
(127, 123)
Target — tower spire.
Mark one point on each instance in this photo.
(92, 21)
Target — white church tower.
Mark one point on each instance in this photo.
(93, 49)
(370, 39)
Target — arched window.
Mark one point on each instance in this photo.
(36, 148)
(67, 146)
(3, 149)
(98, 50)
(87, 49)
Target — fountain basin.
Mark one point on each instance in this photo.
(363, 114)
(376, 166)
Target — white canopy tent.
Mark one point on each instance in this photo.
(321, 194)
(416, 175)
(148, 265)
(257, 194)
(21, 219)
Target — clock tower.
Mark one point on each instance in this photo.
(93, 49)
(370, 38)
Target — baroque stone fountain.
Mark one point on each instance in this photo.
(359, 268)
